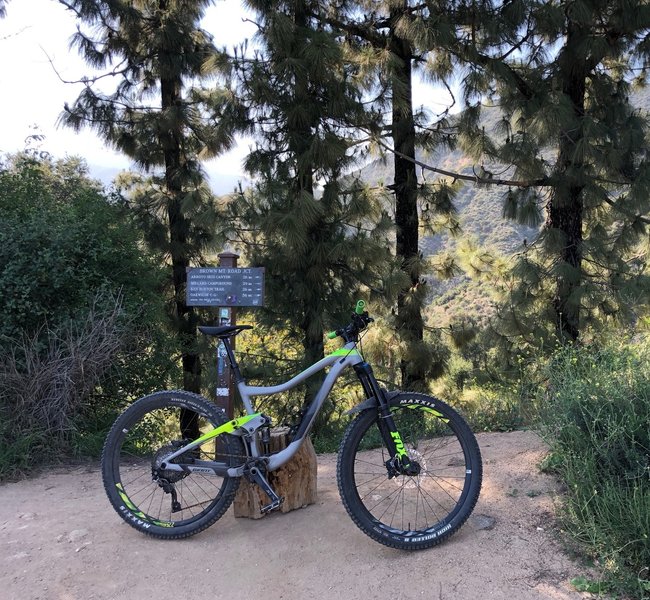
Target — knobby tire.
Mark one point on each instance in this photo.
(410, 512)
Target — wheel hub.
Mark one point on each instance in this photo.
(413, 467)
(159, 458)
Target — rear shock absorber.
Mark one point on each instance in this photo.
(265, 438)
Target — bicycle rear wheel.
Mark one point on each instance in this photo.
(166, 503)
(418, 511)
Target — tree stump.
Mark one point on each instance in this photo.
(295, 481)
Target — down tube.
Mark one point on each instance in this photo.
(277, 460)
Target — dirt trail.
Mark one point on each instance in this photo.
(61, 540)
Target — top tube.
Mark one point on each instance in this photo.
(346, 356)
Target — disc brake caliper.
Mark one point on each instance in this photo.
(402, 465)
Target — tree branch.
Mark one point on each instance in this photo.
(473, 178)
(627, 213)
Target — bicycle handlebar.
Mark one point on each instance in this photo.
(360, 320)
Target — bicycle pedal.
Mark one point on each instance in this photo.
(273, 506)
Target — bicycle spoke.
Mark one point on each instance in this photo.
(410, 508)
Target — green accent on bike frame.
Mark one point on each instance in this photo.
(344, 352)
(331, 335)
(425, 408)
(228, 427)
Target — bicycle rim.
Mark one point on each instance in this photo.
(415, 511)
(150, 496)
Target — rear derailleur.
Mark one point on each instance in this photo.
(166, 478)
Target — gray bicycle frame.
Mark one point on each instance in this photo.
(344, 357)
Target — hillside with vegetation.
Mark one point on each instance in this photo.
(481, 219)
(539, 319)
(479, 212)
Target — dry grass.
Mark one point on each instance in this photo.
(46, 376)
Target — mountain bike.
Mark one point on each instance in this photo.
(409, 467)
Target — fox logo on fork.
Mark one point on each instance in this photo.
(399, 445)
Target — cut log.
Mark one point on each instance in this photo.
(295, 481)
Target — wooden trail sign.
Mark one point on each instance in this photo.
(225, 286)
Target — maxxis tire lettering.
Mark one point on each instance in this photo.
(135, 518)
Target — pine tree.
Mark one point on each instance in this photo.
(409, 320)
(561, 74)
(390, 36)
(319, 233)
(157, 116)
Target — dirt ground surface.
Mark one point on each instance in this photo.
(60, 539)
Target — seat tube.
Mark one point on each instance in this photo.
(231, 359)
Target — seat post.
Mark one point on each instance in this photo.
(231, 359)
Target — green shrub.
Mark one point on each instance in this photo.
(491, 408)
(597, 417)
(67, 252)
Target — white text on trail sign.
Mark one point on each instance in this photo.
(225, 286)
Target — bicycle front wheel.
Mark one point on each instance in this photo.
(410, 512)
(162, 502)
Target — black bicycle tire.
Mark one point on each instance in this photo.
(361, 516)
(110, 464)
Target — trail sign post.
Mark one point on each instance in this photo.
(225, 287)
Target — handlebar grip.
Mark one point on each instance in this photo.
(360, 307)
(331, 335)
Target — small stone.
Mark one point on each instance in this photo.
(483, 522)
(76, 535)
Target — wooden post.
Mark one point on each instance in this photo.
(295, 481)
(225, 392)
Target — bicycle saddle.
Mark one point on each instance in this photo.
(223, 331)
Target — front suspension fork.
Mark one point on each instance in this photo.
(387, 428)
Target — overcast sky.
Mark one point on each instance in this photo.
(32, 95)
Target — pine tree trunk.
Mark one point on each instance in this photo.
(409, 316)
(314, 350)
(299, 146)
(185, 317)
(565, 210)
